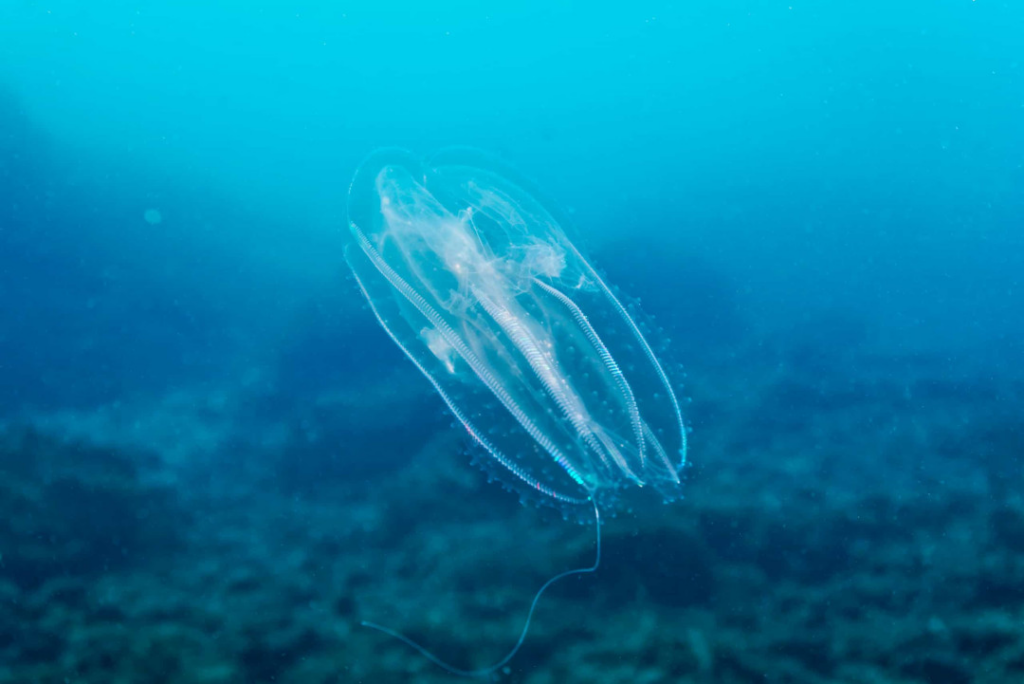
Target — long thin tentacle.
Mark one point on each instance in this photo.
(485, 671)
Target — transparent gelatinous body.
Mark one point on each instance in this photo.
(476, 280)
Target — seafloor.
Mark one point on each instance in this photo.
(850, 516)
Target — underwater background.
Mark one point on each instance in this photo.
(214, 464)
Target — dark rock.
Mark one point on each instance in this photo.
(72, 509)
(933, 668)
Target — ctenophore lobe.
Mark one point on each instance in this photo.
(474, 277)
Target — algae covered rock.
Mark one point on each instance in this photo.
(68, 508)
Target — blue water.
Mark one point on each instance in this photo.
(819, 207)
